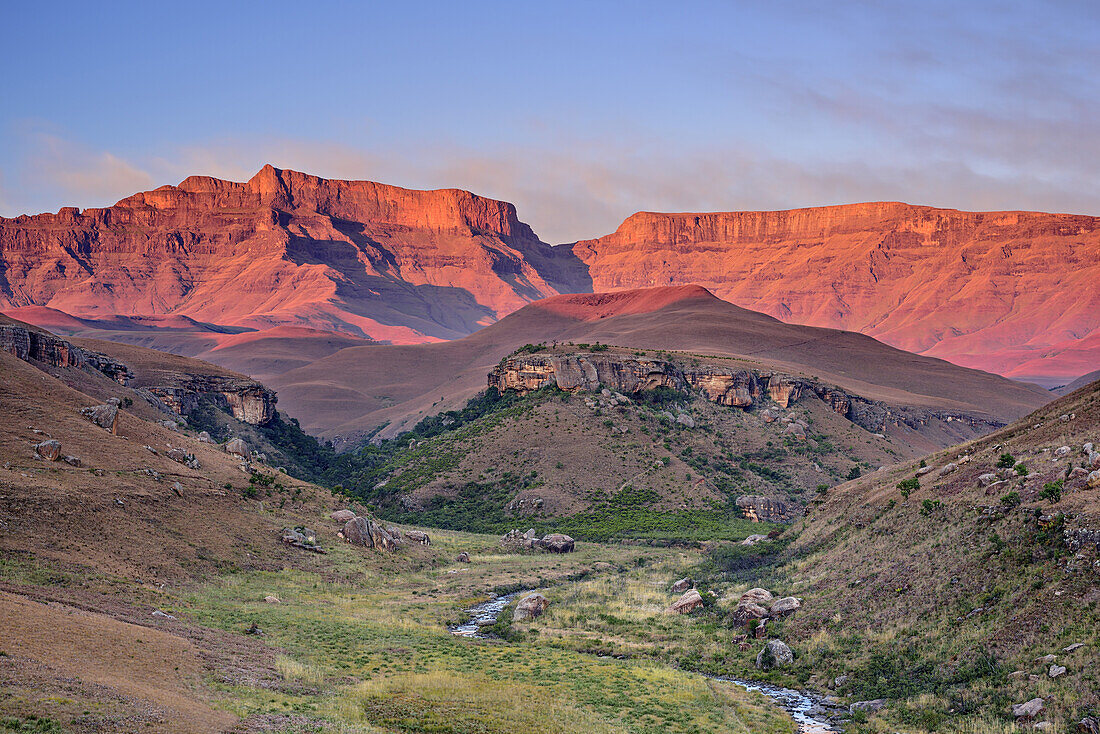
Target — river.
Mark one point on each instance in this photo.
(803, 707)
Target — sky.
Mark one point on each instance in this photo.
(580, 113)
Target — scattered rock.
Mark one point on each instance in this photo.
(1047, 659)
(874, 704)
(205, 437)
(105, 416)
(48, 450)
(1094, 479)
(921, 471)
(272, 599)
(462, 557)
(1056, 670)
(237, 447)
(839, 681)
(556, 543)
(418, 536)
(1089, 725)
(163, 615)
(687, 603)
(182, 457)
(786, 605)
(948, 468)
(775, 654)
(685, 420)
(254, 630)
(530, 607)
(177, 488)
(301, 537)
(1043, 726)
(170, 425)
(763, 597)
(1027, 709)
(747, 610)
(754, 539)
(1074, 646)
(370, 534)
(72, 460)
(769, 416)
(342, 516)
(1062, 451)
(987, 479)
(682, 585)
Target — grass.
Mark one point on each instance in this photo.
(365, 646)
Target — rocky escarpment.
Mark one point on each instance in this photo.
(971, 287)
(244, 399)
(40, 346)
(741, 388)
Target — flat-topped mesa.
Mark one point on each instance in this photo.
(244, 399)
(32, 345)
(740, 388)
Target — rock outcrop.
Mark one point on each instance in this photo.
(741, 388)
(105, 416)
(687, 603)
(33, 345)
(244, 399)
(765, 509)
(370, 534)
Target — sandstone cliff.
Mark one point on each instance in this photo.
(286, 248)
(31, 344)
(741, 388)
(990, 290)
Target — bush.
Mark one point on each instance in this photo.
(929, 506)
(853, 473)
(1007, 461)
(908, 485)
(1021, 470)
(1010, 500)
(1052, 491)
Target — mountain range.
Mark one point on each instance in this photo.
(191, 267)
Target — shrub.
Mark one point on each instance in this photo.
(853, 473)
(908, 485)
(1007, 461)
(929, 506)
(1010, 500)
(1052, 491)
(1021, 470)
(822, 489)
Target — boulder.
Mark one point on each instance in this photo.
(72, 460)
(177, 488)
(418, 536)
(685, 420)
(272, 599)
(747, 610)
(530, 607)
(1074, 646)
(1027, 709)
(49, 450)
(105, 416)
(775, 654)
(1089, 725)
(763, 597)
(921, 471)
(1056, 670)
(682, 585)
(1062, 451)
(205, 437)
(874, 704)
(1094, 479)
(462, 557)
(369, 534)
(786, 605)
(687, 603)
(839, 681)
(987, 479)
(237, 447)
(769, 416)
(948, 468)
(796, 430)
(342, 516)
(754, 539)
(556, 543)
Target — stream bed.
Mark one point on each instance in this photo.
(805, 708)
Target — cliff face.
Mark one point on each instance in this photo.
(246, 400)
(285, 248)
(986, 290)
(741, 388)
(39, 346)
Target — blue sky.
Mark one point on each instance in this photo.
(581, 113)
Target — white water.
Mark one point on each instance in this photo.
(796, 703)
